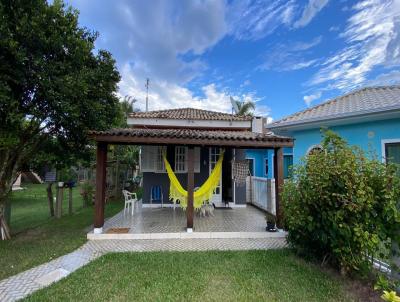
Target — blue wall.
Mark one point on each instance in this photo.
(259, 156)
(368, 136)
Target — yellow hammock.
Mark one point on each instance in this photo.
(202, 194)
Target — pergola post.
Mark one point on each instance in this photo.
(278, 174)
(190, 189)
(101, 165)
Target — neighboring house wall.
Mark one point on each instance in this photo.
(367, 135)
(260, 156)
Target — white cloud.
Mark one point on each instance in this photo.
(290, 56)
(164, 95)
(389, 78)
(372, 36)
(253, 20)
(310, 11)
(308, 99)
(162, 40)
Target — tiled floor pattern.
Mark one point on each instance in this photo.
(168, 220)
(25, 283)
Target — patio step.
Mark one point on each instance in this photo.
(185, 235)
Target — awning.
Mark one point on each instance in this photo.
(196, 137)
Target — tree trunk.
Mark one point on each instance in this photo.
(4, 228)
(50, 198)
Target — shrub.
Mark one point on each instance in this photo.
(340, 205)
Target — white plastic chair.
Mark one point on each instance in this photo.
(130, 200)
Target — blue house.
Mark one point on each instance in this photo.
(368, 118)
(261, 162)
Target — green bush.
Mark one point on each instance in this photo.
(340, 205)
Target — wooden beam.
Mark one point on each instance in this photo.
(278, 174)
(153, 140)
(190, 189)
(101, 166)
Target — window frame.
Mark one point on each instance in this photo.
(254, 167)
(384, 143)
(314, 147)
(159, 159)
(266, 166)
(184, 170)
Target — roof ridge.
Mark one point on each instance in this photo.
(335, 99)
(184, 108)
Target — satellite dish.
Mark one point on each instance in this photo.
(234, 105)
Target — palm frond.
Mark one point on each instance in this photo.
(246, 108)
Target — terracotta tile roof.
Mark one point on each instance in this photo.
(205, 137)
(363, 101)
(189, 114)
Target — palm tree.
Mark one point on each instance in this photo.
(127, 104)
(245, 108)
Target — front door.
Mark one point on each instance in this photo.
(214, 156)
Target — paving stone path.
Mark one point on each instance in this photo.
(25, 283)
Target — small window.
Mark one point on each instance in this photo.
(251, 166)
(392, 153)
(266, 166)
(287, 166)
(159, 161)
(314, 150)
(180, 159)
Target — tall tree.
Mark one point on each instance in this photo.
(53, 86)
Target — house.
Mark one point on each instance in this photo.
(261, 162)
(368, 118)
(192, 140)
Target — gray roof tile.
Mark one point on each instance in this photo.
(190, 114)
(362, 101)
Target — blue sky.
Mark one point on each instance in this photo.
(284, 55)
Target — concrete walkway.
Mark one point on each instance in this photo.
(25, 283)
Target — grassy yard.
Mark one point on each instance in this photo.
(37, 237)
(198, 276)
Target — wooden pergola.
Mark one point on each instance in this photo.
(191, 138)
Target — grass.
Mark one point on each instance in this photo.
(37, 237)
(198, 276)
(30, 207)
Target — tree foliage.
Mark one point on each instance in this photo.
(341, 205)
(245, 107)
(54, 86)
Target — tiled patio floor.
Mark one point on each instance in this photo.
(168, 220)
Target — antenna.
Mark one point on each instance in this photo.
(147, 94)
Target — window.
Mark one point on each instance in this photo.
(251, 166)
(287, 166)
(392, 153)
(180, 159)
(266, 167)
(314, 149)
(159, 161)
(151, 159)
(146, 161)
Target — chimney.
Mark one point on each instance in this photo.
(258, 124)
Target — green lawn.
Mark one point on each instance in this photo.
(37, 237)
(198, 276)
